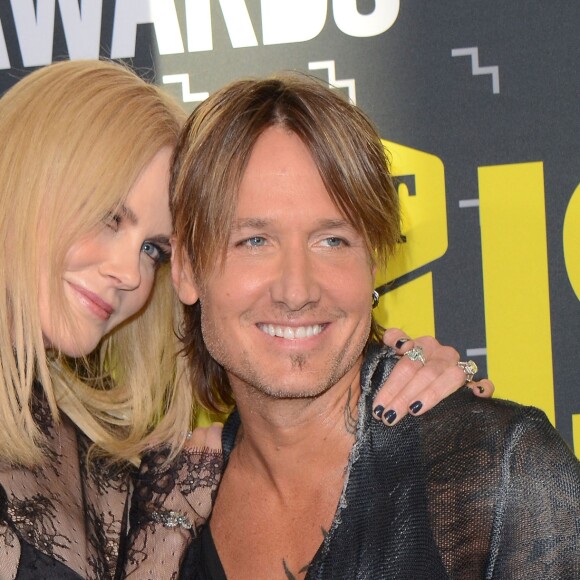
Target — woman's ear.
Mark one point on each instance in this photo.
(182, 275)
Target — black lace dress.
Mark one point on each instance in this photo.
(70, 519)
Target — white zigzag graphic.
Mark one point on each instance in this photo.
(473, 52)
(349, 84)
(186, 95)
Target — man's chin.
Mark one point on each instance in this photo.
(285, 387)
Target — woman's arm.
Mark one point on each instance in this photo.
(169, 503)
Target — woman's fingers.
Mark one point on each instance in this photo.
(483, 388)
(425, 375)
(205, 437)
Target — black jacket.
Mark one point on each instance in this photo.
(473, 489)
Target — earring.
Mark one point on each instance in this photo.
(376, 297)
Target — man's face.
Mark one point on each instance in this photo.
(289, 313)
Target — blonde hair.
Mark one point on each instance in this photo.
(75, 137)
(210, 159)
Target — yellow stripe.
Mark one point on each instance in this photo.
(515, 281)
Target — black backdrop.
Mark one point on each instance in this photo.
(478, 103)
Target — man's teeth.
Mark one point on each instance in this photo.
(291, 333)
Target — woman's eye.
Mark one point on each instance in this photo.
(158, 254)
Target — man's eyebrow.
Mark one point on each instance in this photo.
(253, 223)
(335, 223)
(257, 223)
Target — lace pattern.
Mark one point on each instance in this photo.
(71, 515)
(186, 486)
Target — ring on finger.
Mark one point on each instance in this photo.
(469, 368)
(416, 353)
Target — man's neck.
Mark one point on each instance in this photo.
(316, 433)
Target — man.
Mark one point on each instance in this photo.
(283, 205)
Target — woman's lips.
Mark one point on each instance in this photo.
(93, 302)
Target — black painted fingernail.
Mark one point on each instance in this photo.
(401, 342)
(481, 389)
(389, 416)
(416, 407)
(378, 411)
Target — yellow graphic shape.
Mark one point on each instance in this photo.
(576, 434)
(515, 283)
(410, 307)
(424, 211)
(572, 241)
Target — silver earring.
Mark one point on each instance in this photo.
(376, 297)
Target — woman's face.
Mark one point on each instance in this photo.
(109, 274)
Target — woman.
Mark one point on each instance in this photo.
(88, 349)
(89, 380)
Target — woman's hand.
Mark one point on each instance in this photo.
(415, 388)
(204, 444)
(209, 437)
(171, 500)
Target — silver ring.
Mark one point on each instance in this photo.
(416, 353)
(171, 519)
(469, 368)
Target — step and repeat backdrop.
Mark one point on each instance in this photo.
(478, 104)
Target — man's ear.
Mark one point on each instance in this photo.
(182, 276)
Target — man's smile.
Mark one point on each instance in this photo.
(292, 332)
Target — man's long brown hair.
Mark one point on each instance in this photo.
(210, 159)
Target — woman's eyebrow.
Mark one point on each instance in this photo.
(129, 214)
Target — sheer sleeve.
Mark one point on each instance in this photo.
(170, 501)
(504, 491)
(537, 523)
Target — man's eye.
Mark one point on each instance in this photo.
(254, 242)
(334, 242)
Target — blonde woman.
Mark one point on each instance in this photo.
(87, 347)
(99, 475)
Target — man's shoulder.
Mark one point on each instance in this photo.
(491, 415)
(463, 424)
(464, 428)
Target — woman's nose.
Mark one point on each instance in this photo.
(124, 267)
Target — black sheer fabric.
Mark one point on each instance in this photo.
(69, 518)
(473, 489)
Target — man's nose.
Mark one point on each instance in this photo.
(296, 284)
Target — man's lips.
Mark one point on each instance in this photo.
(292, 332)
(93, 302)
